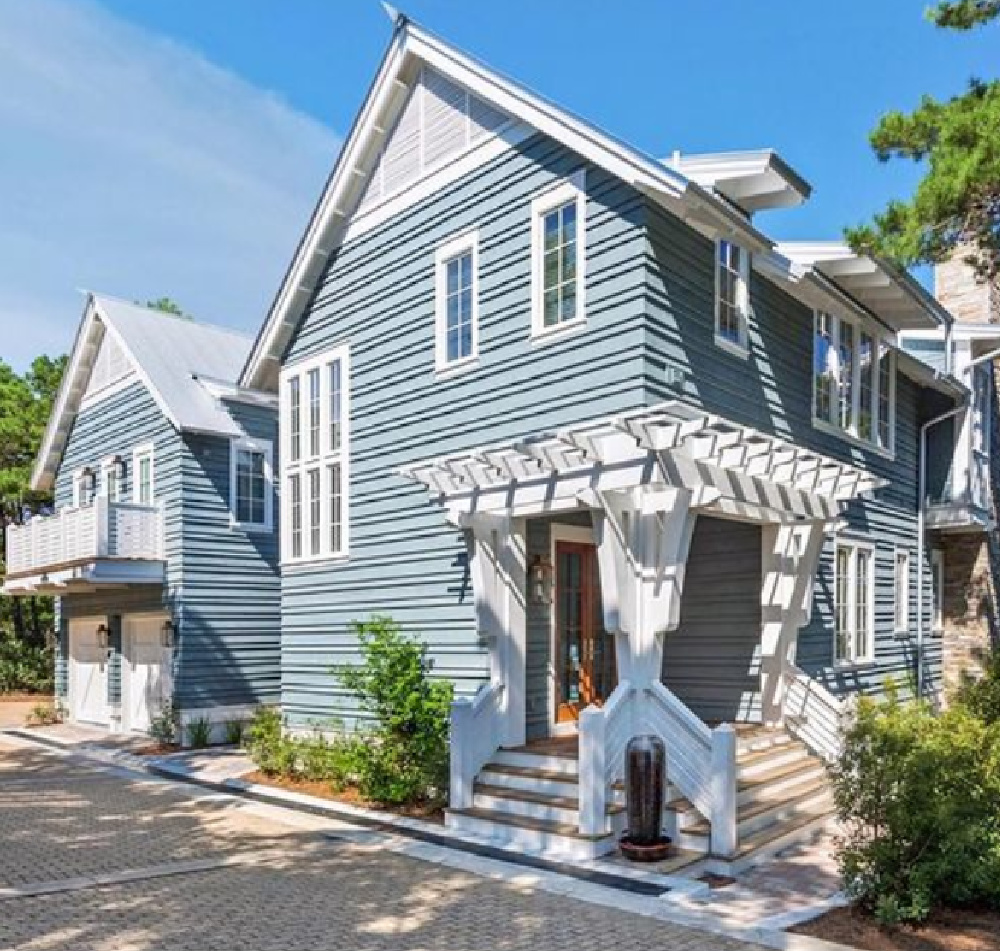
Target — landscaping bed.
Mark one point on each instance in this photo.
(946, 930)
(430, 812)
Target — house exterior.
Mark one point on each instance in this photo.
(626, 463)
(162, 547)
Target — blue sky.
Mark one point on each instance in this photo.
(156, 147)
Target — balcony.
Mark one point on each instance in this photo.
(84, 548)
(964, 507)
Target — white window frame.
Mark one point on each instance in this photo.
(741, 348)
(108, 466)
(901, 595)
(572, 189)
(879, 340)
(139, 453)
(265, 448)
(854, 546)
(78, 476)
(459, 246)
(937, 590)
(327, 457)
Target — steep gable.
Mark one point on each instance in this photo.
(112, 365)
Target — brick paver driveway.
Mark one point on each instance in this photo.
(138, 864)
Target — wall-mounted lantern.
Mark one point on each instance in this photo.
(540, 579)
(103, 636)
(88, 485)
(167, 633)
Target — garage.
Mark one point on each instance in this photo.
(88, 671)
(145, 670)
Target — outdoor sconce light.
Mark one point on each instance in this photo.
(167, 633)
(540, 578)
(103, 635)
(89, 481)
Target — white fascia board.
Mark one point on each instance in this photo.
(232, 392)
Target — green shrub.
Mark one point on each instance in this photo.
(982, 697)
(24, 667)
(200, 732)
(234, 732)
(917, 794)
(405, 756)
(265, 741)
(163, 726)
(334, 761)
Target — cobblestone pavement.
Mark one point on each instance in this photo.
(210, 873)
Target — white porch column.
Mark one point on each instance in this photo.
(497, 565)
(643, 536)
(790, 557)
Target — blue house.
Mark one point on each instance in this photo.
(162, 549)
(626, 463)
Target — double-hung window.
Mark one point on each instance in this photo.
(854, 603)
(111, 478)
(732, 295)
(84, 487)
(853, 380)
(937, 590)
(250, 484)
(457, 309)
(314, 425)
(901, 592)
(143, 488)
(558, 255)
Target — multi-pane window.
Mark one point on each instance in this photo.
(732, 295)
(111, 471)
(558, 250)
(251, 484)
(315, 414)
(854, 606)
(142, 468)
(457, 302)
(901, 593)
(849, 392)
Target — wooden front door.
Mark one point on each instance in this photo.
(585, 654)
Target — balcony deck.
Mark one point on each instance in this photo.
(85, 547)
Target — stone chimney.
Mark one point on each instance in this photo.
(970, 301)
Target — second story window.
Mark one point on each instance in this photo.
(250, 484)
(732, 299)
(457, 304)
(558, 255)
(84, 487)
(112, 474)
(314, 470)
(142, 466)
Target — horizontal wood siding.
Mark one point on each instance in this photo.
(228, 617)
(378, 295)
(772, 391)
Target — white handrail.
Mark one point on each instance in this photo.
(603, 737)
(813, 714)
(476, 734)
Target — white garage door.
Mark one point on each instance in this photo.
(88, 672)
(145, 670)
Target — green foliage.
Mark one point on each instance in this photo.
(25, 667)
(163, 725)
(167, 305)
(917, 795)
(406, 756)
(44, 714)
(956, 206)
(234, 732)
(265, 741)
(200, 732)
(982, 697)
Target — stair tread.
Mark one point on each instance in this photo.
(529, 795)
(761, 837)
(797, 795)
(542, 750)
(526, 822)
(753, 757)
(531, 772)
(780, 772)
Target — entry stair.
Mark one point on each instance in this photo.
(527, 798)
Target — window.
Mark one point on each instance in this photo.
(854, 611)
(901, 593)
(457, 309)
(111, 479)
(732, 295)
(143, 488)
(937, 590)
(250, 484)
(84, 487)
(315, 469)
(558, 254)
(851, 394)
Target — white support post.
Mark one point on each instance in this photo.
(100, 504)
(592, 764)
(460, 796)
(724, 842)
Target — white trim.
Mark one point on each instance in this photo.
(78, 477)
(572, 190)
(72, 684)
(467, 243)
(937, 590)
(581, 535)
(138, 453)
(740, 348)
(107, 465)
(901, 608)
(853, 546)
(323, 461)
(266, 448)
(127, 662)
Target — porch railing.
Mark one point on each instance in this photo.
(476, 734)
(604, 734)
(813, 714)
(73, 536)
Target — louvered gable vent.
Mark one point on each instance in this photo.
(111, 365)
(439, 121)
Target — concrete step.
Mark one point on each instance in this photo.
(763, 761)
(528, 779)
(763, 739)
(768, 842)
(774, 782)
(534, 805)
(549, 762)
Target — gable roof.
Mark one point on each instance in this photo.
(410, 47)
(169, 354)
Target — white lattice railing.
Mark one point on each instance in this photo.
(813, 714)
(477, 730)
(604, 734)
(75, 535)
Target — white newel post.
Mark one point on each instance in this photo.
(790, 558)
(101, 521)
(723, 818)
(593, 785)
(460, 795)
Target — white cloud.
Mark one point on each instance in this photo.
(131, 165)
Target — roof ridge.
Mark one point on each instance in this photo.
(185, 318)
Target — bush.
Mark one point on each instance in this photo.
(234, 732)
(24, 667)
(982, 697)
(200, 732)
(162, 726)
(917, 794)
(405, 758)
(265, 741)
